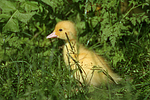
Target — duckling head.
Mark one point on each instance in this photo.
(64, 29)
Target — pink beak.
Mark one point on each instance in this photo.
(52, 35)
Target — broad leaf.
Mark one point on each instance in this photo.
(23, 17)
(11, 25)
(7, 6)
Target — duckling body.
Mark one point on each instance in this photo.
(89, 68)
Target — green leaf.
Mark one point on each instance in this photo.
(78, 18)
(30, 6)
(106, 32)
(88, 7)
(7, 6)
(133, 20)
(76, 0)
(24, 17)
(21, 0)
(51, 3)
(94, 7)
(113, 40)
(118, 57)
(139, 20)
(54, 3)
(4, 17)
(95, 21)
(11, 25)
(144, 17)
(80, 25)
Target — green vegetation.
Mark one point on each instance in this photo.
(32, 67)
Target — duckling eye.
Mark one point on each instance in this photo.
(60, 29)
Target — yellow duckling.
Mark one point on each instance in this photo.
(89, 68)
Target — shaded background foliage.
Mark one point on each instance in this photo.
(31, 67)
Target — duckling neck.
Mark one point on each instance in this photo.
(71, 46)
(70, 51)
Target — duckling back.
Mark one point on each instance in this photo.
(89, 68)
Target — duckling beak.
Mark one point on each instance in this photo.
(52, 35)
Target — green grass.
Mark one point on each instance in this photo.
(32, 67)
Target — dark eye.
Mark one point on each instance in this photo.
(60, 29)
